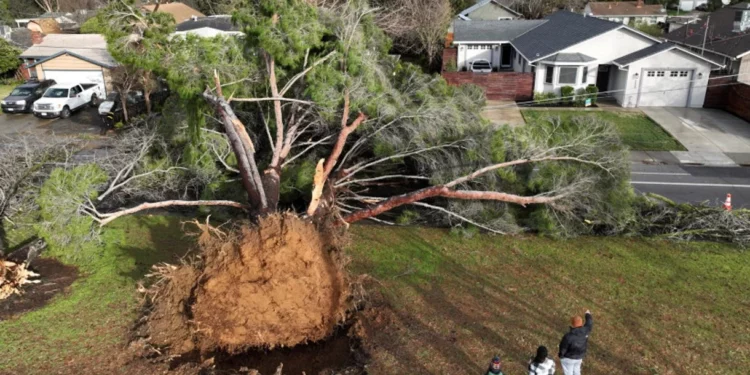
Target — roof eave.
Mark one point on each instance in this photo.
(66, 52)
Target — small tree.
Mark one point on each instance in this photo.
(9, 56)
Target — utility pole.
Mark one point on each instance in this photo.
(705, 34)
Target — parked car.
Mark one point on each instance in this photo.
(62, 99)
(480, 66)
(22, 98)
(110, 110)
(702, 8)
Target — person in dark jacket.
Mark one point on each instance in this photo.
(495, 367)
(574, 344)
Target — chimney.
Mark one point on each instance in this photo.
(640, 4)
(37, 37)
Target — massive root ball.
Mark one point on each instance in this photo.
(279, 283)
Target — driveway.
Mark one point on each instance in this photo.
(85, 121)
(712, 136)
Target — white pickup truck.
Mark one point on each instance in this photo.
(62, 99)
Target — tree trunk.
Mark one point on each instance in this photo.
(124, 103)
(147, 98)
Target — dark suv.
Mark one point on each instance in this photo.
(22, 98)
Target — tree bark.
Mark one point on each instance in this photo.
(108, 218)
(445, 192)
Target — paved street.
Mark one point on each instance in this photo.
(694, 184)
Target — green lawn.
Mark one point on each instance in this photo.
(5, 90)
(85, 331)
(660, 307)
(638, 131)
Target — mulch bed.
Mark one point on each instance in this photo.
(56, 278)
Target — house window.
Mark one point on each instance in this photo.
(660, 74)
(683, 73)
(568, 76)
(548, 77)
(651, 73)
(585, 75)
(519, 58)
(673, 73)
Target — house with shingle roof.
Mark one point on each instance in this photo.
(69, 58)
(569, 49)
(627, 12)
(724, 39)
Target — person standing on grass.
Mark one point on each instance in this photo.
(542, 364)
(574, 344)
(495, 367)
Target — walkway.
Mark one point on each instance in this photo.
(503, 113)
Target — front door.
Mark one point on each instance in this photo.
(602, 78)
(505, 58)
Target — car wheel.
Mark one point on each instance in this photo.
(65, 112)
(94, 101)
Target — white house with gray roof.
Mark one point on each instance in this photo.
(568, 49)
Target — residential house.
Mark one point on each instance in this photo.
(689, 5)
(179, 11)
(568, 49)
(627, 12)
(727, 42)
(485, 10)
(70, 58)
(208, 27)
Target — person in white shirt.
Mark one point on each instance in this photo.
(542, 364)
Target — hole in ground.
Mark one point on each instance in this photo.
(339, 354)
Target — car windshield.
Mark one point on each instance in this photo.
(21, 91)
(481, 64)
(56, 93)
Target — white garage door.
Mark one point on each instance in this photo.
(665, 88)
(77, 76)
(478, 52)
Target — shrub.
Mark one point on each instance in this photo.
(593, 93)
(9, 59)
(545, 98)
(451, 66)
(566, 92)
(580, 99)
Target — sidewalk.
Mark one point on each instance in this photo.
(501, 113)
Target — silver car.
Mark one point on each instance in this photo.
(480, 66)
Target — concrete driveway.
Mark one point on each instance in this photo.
(85, 121)
(501, 113)
(712, 136)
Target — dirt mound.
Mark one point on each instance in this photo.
(278, 283)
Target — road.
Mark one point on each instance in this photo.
(692, 184)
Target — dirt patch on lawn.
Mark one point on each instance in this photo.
(56, 278)
(279, 283)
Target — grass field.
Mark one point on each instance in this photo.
(85, 331)
(5, 90)
(659, 308)
(637, 130)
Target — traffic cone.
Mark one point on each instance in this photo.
(728, 203)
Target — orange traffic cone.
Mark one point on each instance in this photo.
(728, 203)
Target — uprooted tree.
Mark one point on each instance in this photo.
(310, 101)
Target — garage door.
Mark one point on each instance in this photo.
(77, 76)
(478, 52)
(665, 88)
